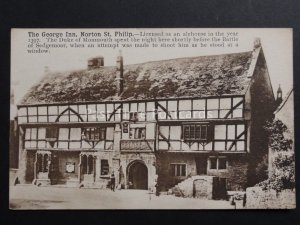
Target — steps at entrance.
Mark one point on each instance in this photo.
(196, 186)
(72, 183)
(184, 188)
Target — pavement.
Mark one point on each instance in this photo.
(33, 197)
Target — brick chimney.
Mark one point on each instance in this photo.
(119, 75)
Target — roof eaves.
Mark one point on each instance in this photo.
(250, 72)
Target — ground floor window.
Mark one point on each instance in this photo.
(104, 167)
(87, 164)
(217, 163)
(42, 163)
(178, 170)
(213, 163)
(222, 164)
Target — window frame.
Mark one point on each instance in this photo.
(174, 172)
(217, 158)
(90, 135)
(102, 165)
(190, 131)
(88, 164)
(133, 116)
(226, 163)
(52, 133)
(135, 133)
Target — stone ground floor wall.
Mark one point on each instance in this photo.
(256, 198)
(235, 175)
(158, 168)
(13, 176)
(128, 159)
(118, 163)
(166, 180)
(63, 158)
(201, 186)
(26, 167)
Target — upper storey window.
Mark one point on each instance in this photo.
(51, 133)
(94, 134)
(137, 133)
(197, 132)
(133, 116)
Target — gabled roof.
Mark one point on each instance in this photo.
(201, 76)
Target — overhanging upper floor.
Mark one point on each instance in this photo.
(175, 109)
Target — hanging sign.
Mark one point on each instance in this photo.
(125, 127)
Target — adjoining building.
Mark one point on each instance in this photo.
(285, 113)
(152, 124)
(13, 138)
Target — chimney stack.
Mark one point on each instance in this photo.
(46, 70)
(257, 43)
(119, 75)
(95, 62)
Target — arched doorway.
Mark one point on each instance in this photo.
(138, 175)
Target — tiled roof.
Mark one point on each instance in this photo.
(183, 77)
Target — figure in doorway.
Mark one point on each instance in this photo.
(156, 188)
(112, 181)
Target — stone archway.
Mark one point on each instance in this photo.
(137, 175)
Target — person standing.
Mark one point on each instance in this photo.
(112, 181)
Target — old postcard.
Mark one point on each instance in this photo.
(152, 119)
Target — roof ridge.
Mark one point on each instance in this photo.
(207, 75)
(189, 57)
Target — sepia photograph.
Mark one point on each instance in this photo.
(186, 118)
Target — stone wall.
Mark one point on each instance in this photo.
(13, 145)
(256, 198)
(167, 180)
(30, 159)
(13, 176)
(204, 187)
(63, 158)
(148, 159)
(235, 174)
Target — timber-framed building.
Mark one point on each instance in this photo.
(153, 124)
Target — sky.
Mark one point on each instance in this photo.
(28, 69)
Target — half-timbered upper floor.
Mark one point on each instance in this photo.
(190, 104)
(208, 108)
(182, 124)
